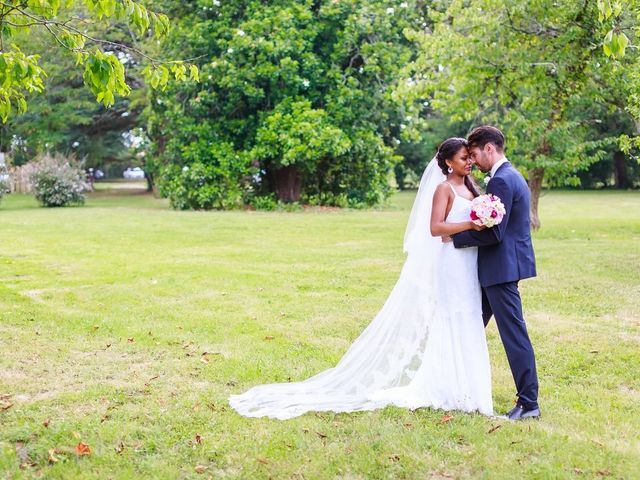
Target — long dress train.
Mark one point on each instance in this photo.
(425, 348)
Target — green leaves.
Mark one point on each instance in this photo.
(158, 76)
(608, 9)
(104, 75)
(296, 134)
(615, 44)
(103, 72)
(616, 41)
(19, 73)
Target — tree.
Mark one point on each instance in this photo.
(301, 92)
(66, 118)
(68, 24)
(526, 67)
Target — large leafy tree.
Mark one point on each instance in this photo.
(68, 24)
(66, 118)
(296, 99)
(527, 67)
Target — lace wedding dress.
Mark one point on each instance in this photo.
(425, 348)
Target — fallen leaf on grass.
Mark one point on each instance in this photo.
(394, 458)
(120, 447)
(321, 435)
(603, 473)
(83, 449)
(446, 419)
(579, 471)
(263, 461)
(200, 468)
(204, 358)
(269, 337)
(52, 454)
(5, 403)
(46, 423)
(493, 429)
(130, 339)
(198, 439)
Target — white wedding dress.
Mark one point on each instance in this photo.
(425, 348)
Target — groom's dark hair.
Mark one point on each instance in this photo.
(480, 136)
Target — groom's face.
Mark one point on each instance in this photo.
(481, 158)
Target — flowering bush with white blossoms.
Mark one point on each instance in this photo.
(58, 181)
(487, 210)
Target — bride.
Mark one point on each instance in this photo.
(426, 347)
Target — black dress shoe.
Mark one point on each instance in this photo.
(519, 412)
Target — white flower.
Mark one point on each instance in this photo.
(185, 169)
(306, 83)
(486, 179)
(391, 10)
(229, 50)
(75, 144)
(241, 33)
(216, 3)
(404, 5)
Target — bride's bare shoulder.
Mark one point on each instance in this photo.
(443, 187)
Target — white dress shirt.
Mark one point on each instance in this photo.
(497, 165)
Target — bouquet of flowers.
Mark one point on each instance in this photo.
(487, 210)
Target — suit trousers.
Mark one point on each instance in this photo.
(503, 302)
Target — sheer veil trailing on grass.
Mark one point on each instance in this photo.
(389, 351)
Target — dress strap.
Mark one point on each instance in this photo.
(454, 190)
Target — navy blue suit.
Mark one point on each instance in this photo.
(505, 256)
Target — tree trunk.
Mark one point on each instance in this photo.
(535, 186)
(150, 182)
(288, 184)
(620, 170)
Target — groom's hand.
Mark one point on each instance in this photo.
(446, 239)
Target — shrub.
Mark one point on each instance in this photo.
(58, 181)
(266, 202)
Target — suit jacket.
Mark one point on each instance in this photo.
(505, 252)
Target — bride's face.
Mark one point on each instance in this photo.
(461, 162)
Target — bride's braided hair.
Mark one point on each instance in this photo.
(446, 151)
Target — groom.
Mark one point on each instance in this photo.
(505, 256)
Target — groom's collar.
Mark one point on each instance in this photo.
(497, 165)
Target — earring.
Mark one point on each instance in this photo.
(450, 170)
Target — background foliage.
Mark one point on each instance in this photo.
(296, 97)
(323, 102)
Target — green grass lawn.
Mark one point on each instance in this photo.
(106, 313)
